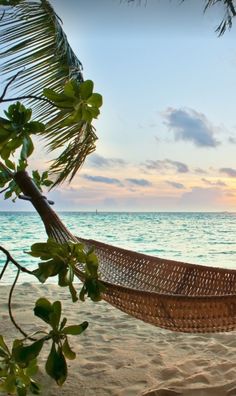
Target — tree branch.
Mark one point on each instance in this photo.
(8, 85)
(13, 261)
(9, 306)
(19, 269)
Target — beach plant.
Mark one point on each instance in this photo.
(57, 259)
(49, 99)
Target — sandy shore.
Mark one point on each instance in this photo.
(122, 356)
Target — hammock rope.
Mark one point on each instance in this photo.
(170, 294)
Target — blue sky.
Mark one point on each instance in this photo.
(167, 132)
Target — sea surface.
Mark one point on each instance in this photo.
(203, 238)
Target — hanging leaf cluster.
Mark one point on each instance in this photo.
(56, 366)
(18, 366)
(78, 100)
(62, 260)
(15, 132)
(41, 179)
(16, 370)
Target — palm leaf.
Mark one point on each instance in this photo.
(33, 42)
(229, 12)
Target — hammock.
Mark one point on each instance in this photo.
(170, 294)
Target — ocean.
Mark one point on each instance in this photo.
(202, 238)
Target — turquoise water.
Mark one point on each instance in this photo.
(203, 238)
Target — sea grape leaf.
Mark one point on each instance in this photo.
(56, 366)
(24, 354)
(69, 354)
(43, 309)
(55, 316)
(73, 292)
(75, 329)
(86, 89)
(3, 345)
(27, 147)
(34, 388)
(95, 100)
(47, 269)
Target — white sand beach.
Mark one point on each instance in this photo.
(121, 356)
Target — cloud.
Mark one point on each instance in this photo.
(199, 198)
(228, 171)
(200, 171)
(232, 140)
(178, 186)
(167, 164)
(139, 182)
(189, 125)
(101, 162)
(217, 183)
(103, 179)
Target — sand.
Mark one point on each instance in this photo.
(121, 356)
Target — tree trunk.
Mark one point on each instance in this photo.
(54, 227)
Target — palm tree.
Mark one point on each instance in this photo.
(36, 55)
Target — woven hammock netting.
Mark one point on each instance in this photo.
(170, 294)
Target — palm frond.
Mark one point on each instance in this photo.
(32, 41)
(229, 12)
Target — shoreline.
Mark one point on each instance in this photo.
(121, 356)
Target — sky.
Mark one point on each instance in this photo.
(167, 130)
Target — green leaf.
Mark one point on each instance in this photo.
(82, 293)
(47, 183)
(32, 368)
(63, 323)
(27, 148)
(35, 127)
(55, 315)
(36, 175)
(5, 152)
(21, 165)
(47, 269)
(69, 89)
(8, 194)
(52, 95)
(86, 89)
(75, 329)
(21, 390)
(69, 354)
(44, 250)
(56, 366)
(43, 309)
(3, 354)
(3, 345)
(10, 164)
(9, 384)
(34, 388)
(86, 115)
(62, 277)
(95, 100)
(24, 354)
(94, 111)
(73, 292)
